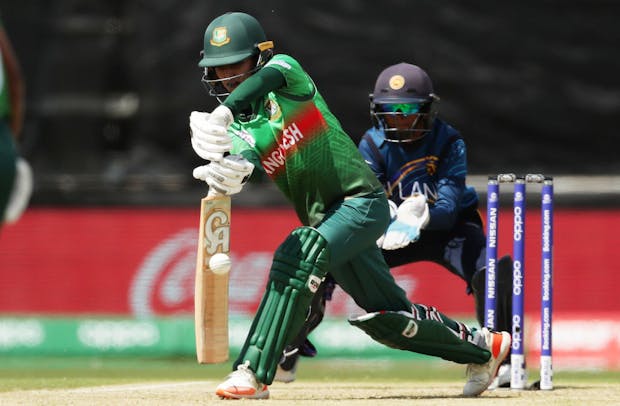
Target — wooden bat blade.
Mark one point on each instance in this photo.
(211, 290)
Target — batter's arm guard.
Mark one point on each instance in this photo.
(298, 269)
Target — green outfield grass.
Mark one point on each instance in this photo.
(25, 373)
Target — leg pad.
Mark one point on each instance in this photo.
(403, 331)
(298, 269)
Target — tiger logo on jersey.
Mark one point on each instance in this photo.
(273, 110)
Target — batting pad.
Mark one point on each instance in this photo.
(401, 330)
(299, 266)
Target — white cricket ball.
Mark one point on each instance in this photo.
(219, 263)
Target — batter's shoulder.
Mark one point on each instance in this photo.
(284, 61)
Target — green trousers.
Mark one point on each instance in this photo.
(351, 229)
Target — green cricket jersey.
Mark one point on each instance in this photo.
(5, 107)
(8, 153)
(297, 141)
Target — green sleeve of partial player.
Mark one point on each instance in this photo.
(254, 88)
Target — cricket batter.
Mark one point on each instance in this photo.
(15, 173)
(273, 117)
(421, 162)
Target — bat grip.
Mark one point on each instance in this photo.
(213, 193)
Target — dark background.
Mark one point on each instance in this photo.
(532, 85)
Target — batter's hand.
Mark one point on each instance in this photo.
(227, 176)
(209, 133)
(411, 217)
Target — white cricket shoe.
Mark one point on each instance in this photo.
(502, 380)
(287, 368)
(480, 376)
(282, 375)
(242, 384)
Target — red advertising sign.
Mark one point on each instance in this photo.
(141, 262)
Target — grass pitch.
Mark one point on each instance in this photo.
(138, 381)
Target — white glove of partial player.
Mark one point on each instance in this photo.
(20, 194)
(226, 176)
(411, 217)
(209, 133)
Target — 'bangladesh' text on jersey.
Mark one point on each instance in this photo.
(305, 124)
(301, 146)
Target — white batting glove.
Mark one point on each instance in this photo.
(20, 194)
(209, 133)
(227, 176)
(411, 217)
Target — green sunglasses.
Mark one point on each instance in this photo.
(404, 108)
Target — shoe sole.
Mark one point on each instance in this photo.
(224, 394)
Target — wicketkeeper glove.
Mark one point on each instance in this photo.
(393, 213)
(209, 133)
(411, 217)
(227, 176)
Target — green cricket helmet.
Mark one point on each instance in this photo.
(403, 90)
(229, 39)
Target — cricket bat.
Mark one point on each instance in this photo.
(211, 290)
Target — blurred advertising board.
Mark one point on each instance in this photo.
(136, 266)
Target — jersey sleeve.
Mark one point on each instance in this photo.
(254, 88)
(298, 85)
(450, 188)
(242, 145)
(281, 74)
(372, 157)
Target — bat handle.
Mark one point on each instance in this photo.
(213, 193)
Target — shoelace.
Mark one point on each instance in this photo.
(244, 366)
(245, 370)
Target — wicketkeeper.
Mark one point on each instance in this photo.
(273, 116)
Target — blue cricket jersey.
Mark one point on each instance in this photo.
(435, 165)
